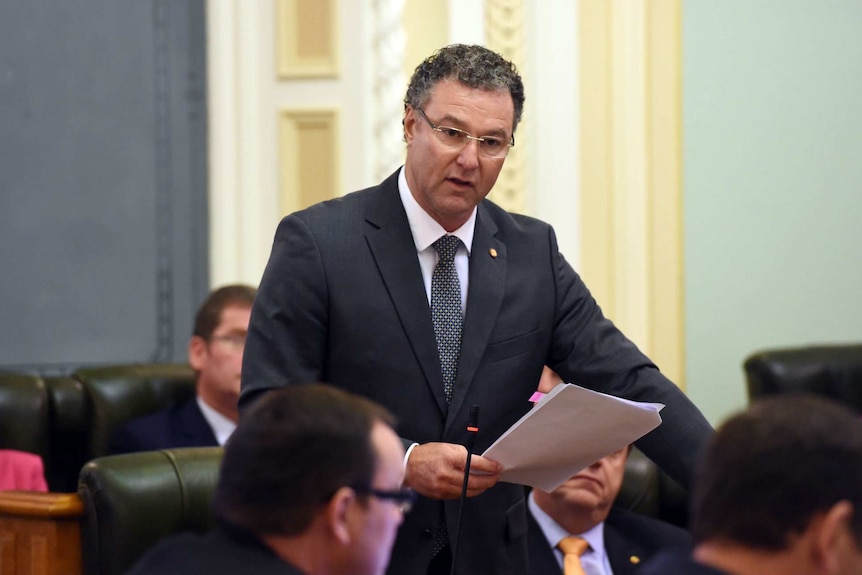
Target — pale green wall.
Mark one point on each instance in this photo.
(772, 149)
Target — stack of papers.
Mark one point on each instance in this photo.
(567, 431)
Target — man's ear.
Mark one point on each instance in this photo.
(338, 514)
(197, 352)
(409, 123)
(834, 535)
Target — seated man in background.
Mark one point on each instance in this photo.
(577, 522)
(215, 353)
(310, 484)
(579, 518)
(778, 490)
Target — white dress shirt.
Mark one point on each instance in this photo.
(426, 231)
(222, 426)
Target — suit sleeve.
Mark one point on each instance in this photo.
(286, 342)
(587, 349)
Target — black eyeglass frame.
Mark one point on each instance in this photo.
(404, 498)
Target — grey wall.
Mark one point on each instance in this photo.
(103, 229)
(772, 97)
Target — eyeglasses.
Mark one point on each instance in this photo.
(403, 498)
(489, 146)
(234, 340)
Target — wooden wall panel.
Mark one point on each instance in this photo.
(308, 151)
(307, 38)
(631, 185)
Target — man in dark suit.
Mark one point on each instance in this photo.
(358, 292)
(618, 540)
(215, 353)
(310, 484)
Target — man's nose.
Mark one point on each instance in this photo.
(469, 156)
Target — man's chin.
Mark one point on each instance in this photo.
(582, 499)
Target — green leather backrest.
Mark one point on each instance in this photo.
(833, 371)
(68, 432)
(133, 500)
(69, 420)
(648, 490)
(24, 414)
(119, 393)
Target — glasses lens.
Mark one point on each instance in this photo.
(494, 149)
(451, 136)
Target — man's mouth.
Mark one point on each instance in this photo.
(460, 182)
(589, 478)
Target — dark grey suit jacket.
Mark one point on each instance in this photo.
(342, 301)
(630, 540)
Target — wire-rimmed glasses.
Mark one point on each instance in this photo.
(489, 146)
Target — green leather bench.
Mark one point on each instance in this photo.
(133, 500)
(69, 420)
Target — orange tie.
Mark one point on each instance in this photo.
(573, 548)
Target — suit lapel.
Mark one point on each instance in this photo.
(392, 246)
(619, 550)
(192, 426)
(542, 559)
(484, 297)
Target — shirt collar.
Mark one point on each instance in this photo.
(554, 532)
(425, 229)
(222, 426)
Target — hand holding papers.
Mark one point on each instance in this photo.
(569, 429)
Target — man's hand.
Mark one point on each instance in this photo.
(436, 470)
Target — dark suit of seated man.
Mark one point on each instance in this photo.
(618, 540)
(310, 484)
(215, 353)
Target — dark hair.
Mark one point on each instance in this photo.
(769, 470)
(209, 314)
(290, 453)
(473, 66)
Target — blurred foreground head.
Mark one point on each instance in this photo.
(315, 472)
(781, 480)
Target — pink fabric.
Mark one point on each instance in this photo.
(21, 470)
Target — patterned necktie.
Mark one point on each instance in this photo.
(573, 548)
(446, 310)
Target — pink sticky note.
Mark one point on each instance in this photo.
(537, 397)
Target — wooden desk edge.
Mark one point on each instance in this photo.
(40, 504)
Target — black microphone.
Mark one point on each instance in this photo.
(472, 430)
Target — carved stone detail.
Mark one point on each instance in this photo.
(504, 33)
(389, 42)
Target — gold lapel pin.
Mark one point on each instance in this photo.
(634, 559)
(493, 252)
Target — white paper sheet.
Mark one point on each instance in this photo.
(568, 430)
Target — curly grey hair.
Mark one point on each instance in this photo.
(472, 65)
